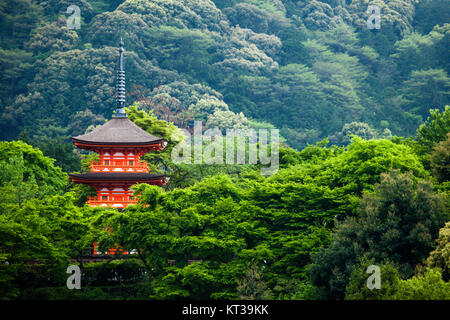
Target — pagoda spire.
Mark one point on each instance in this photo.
(120, 85)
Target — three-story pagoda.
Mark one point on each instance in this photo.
(120, 144)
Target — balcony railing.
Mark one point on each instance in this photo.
(93, 201)
(139, 167)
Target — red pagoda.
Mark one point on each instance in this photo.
(120, 144)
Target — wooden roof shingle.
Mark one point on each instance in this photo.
(118, 131)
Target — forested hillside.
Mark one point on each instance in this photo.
(364, 157)
(308, 68)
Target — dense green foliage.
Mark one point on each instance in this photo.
(350, 191)
(398, 223)
(306, 232)
(309, 68)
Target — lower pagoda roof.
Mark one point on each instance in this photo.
(115, 177)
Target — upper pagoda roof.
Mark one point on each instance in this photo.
(119, 130)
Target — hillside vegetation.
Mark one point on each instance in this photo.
(363, 174)
(309, 68)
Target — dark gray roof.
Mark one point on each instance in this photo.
(118, 131)
(116, 176)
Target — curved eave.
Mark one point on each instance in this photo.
(150, 145)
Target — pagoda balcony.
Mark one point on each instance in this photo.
(98, 167)
(95, 202)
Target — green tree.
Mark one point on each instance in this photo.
(52, 37)
(360, 129)
(440, 160)
(428, 286)
(430, 13)
(426, 89)
(16, 67)
(430, 133)
(398, 222)
(49, 232)
(357, 286)
(17, 19)
(251, 286)
(63, 152)
(26, 173)
(160, 128)
(440, 256)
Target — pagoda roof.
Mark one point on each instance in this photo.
(115, 176)
(120, 130)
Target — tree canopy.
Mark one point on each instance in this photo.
(364, 123)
